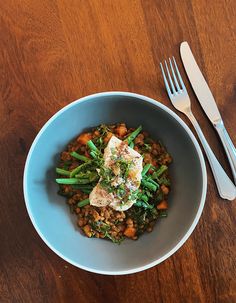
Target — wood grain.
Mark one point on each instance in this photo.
(53, 52)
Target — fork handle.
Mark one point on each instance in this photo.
(225, 186)
(228, 146)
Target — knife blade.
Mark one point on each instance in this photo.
(207, 102)
(199, 84)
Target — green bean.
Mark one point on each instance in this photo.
(143, 204)
(146, 169)
(131, 145)
(86, 191)
(93, 154)
(63, 172)
(149, 185)
(165, 181)
(93, 147)
(159, 197)
(79, 157)
(72, 181)
(92, 176)
(133, 135)
(79, 168)
(83, 203)
(160, 171)
(149, 179)
(82, 186)
(144, 198)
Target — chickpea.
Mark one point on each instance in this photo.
(155, 152)
(77, 210)
(87, 231)
(71, 201)
(77, 196)
(129, 222)
(147, 158)
(139, 139)
(121, 130)
(66, 188)
(122, 227)
(108, 137)
(81, 222)
(107, 214)
(164, 189)
(96, 215)
(65, 156)
(114, 233)
(123, 215)
(154, 163)
(155, 146)
(167, 159)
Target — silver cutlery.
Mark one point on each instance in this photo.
(207, 102)
(179, 98)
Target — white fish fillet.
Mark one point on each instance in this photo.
(99, 196)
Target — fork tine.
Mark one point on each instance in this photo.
(179, 76)
(170, 79)
(165, 81)
(173, 73)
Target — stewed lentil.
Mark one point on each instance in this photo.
(78, 175)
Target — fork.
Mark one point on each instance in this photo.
(180, 99)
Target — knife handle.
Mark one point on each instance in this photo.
(228, 146)
(225, 186)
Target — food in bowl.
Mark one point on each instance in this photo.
(49, 212)
(116, 181)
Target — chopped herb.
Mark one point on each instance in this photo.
(159, 197)
(146, 147)
(104, 228)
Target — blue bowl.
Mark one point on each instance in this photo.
(51, 216)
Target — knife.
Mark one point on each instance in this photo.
(207, 102)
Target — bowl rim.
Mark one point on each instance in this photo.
(203, 170)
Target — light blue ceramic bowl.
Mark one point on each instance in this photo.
(51, 216)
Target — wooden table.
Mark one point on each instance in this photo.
(53, 52)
